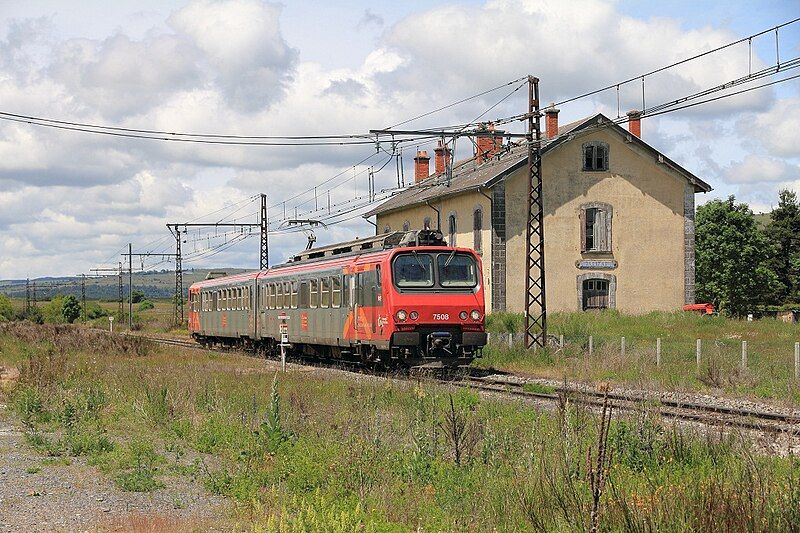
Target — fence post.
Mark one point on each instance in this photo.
(622, 347)
(797, 360)
(591, 345)
(488, 337)
(561, 340)
(744, 354)
(510, 340)
(698, 351)
(658, 351)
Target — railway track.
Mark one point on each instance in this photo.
(513, 386)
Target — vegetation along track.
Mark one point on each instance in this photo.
(514, 386)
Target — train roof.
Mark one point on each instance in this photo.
(345, 251)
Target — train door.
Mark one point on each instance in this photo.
(365, 313)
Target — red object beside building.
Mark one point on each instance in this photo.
(703, 309)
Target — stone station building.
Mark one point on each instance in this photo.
(618, 216)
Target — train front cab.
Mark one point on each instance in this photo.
(436, 304)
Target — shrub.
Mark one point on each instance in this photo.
(146, 305)
(139, 468)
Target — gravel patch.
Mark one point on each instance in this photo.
(38, 496)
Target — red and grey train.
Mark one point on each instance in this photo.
(402, 298)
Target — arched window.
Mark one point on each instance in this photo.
(595, 155)
(406, 225)
(426, 224)
(477, 226)
(451, 229)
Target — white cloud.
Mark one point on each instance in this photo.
(242, 42)
(68, 200)
(779, 127)
(760, 169)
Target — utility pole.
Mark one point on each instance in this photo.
(83, 295)
(535, 305)
(33, 294)
(120, 291)
(178, 273)
(121, 295)
(264, 262)
(130, 286)
(27, 296)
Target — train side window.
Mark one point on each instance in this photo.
(280, 302)
(222, 293)
(346, 290)
(325, 292)
(304, 295)
(294, 294)
(336, 291)
(241, 298)
(287, 295)
(314, 300)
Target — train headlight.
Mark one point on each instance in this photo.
(475, 314)
(401, 315)
(462, 315)
(413, 315)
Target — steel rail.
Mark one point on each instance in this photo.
(707, 414)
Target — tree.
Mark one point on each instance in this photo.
(6, 309)
(70, 309)
(783, 232)
(137, 296)
(731, 258)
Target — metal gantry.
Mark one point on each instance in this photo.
(535, 301)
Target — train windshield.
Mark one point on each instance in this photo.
(457, 270)
(413, 270)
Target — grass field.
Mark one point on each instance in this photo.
(770, 347)
(312, 451)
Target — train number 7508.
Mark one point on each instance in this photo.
(441, 316)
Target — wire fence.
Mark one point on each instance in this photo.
(776, 358)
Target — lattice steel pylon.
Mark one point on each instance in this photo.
(535, 303)
(178, 279)
(264, 256)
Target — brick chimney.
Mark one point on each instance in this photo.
(422, 166)
(443, 156)
(635, 122)
(487, 143)
(551, 121)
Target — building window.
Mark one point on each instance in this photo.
(451, 229)
(595, 156)
(595, 220)
(426, 224)
(595, 294)
(477, 227)
(406, 225)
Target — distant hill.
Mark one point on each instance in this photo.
(154, 284)
(763, 219)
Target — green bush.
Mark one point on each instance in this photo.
(146, 305)
(6, 309)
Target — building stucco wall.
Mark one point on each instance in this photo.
(649, 243)
(647, 230)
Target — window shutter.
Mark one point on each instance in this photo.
(605, 157)
(582, 218)
(600, 230)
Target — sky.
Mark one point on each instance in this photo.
(72, 201)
